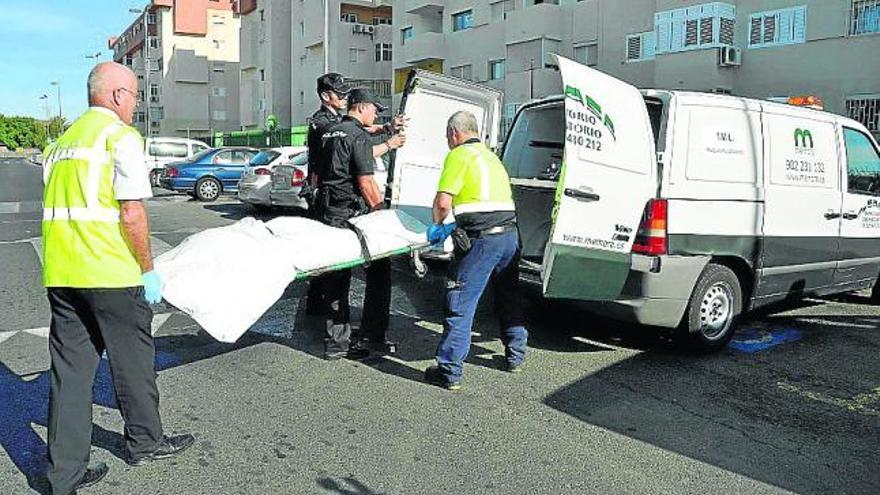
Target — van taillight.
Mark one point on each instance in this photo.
(651, 237)
(298, 178)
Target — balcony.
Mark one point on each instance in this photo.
(426, 46)
(423, 7)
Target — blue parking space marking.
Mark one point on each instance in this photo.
(752, 341)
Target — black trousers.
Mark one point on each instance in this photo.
(377, 306)
(85, 323)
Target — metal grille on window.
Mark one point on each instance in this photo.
(866, 110)
(728, 29)
(865, 17)
(769, 29)
(690, 35)
(706, 31)
(634, 48)
(755, 31)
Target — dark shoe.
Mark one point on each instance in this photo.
(355, 354)
(380, 347)
(512, 368)
(168, 447)
(94, 474)
(435, 376)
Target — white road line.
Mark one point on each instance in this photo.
(4, 336)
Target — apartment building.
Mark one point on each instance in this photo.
(359, 47)
(186, 57)
(755, 48)
(265, 62)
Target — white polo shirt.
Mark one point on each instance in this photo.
(131, 174)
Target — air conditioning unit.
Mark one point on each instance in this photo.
(358, 28)
(729, 56)
(369, 29)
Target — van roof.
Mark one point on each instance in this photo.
(728, 100)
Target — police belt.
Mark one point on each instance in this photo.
(500, 229)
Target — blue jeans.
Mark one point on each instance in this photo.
(492, 258)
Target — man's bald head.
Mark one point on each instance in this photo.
(113, 86)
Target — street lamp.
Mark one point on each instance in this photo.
(58, 87)
(45, 99)
(144, 12)
(95, 56)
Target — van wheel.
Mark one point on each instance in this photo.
(708, 322)
(208, 189)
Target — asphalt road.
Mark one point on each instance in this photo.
(601, 407)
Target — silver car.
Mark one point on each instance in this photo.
(253, 188)
(287, 182)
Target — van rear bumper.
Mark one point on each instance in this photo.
(656, 292)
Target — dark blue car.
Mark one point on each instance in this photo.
(209, 173)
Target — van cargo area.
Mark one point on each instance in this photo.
(533, 156)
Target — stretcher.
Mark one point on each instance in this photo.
(226, 278)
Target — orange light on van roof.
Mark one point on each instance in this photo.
(811, 101)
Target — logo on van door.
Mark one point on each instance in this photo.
(803, 138)
(594, 108)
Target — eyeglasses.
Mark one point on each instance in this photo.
(132, 93)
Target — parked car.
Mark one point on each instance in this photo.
(668, 208)
(253, 188)
(209, 173)
(288, 179)
(161, 151)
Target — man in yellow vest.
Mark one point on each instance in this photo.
(98, 271)
(475, 186)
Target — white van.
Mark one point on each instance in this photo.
(161, 151)
(669, 208)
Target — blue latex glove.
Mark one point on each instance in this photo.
(438, 232)
(152, 287)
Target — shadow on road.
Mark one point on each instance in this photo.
(346, 486)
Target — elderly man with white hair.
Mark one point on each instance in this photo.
(475, 186)
(98, 272)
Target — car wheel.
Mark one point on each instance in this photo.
(154, 177)
(207, 189)
(708, 322)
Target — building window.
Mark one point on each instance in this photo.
(218, 91)
(302, 29)
(128, 60)
(463, 72)
(865, 109)
(641, 46)
(405, 34)
(708, 25)
(463, 20)
(587, 54)
(140, 95)
(496, 70)
(219, 44)
(865, 17)
(154, 90)
(383, 52)
(381, 21)
(151, 19)
(154, 42)
(778, 27)
(157, 113)
(262, 75)
(499, 10)
(218, 115)
(353, 55)
(350, 17)
(302, 97)
(139, 117)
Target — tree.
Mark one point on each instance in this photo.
(22, 132)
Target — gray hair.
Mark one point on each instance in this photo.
(95, 83)
(463, 121)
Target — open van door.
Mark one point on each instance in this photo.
(608, 175)
(429, 99)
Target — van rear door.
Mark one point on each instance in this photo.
(609, 174)
(429, 99)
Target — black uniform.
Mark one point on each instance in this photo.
(319, 123)
(346, 153)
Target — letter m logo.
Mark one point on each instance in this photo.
(803, 138)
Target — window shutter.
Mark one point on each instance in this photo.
(755, 35)
(799, 21)
(769, 29)
(784, 18)
(727, 31)
(690, 36)
(663, 32)
(633, 47)
(678, 20)
(649, 45)
(707, 31)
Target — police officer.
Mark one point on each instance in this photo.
(347, 189)
(475, 186)
(333, 92)
(98, 271)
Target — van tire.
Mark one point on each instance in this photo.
(208, 189)
(712, 311)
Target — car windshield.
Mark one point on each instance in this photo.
(300, 159)
(264, 158)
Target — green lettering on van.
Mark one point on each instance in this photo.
(610, 125)
(592, 105)
(802, 137)
(574, 94)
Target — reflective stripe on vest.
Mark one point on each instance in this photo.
(83, 245)
(484, 206)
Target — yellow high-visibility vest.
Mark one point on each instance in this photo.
(83, 243)
(476, 179)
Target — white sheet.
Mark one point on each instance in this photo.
(227, 277)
